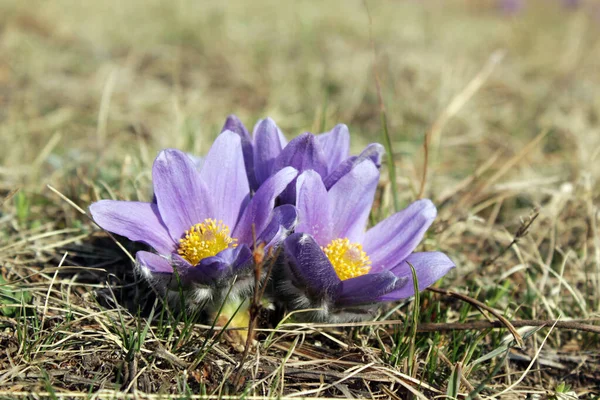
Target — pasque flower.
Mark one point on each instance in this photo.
(202, 222)
(267, 152)
(334, 265)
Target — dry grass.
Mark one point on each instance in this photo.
(89, 92)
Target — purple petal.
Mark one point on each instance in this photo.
(394, 238)
(225, 175)
(304, 154)
(153, 263)
(258, 211)
(233, 124)
(197, 160)
(350, 201)
(180, 262)
(282, 138)
(267, 146)
(366, 289)
(182, 197)
(373, 152)
(312, 202)
(211, 270)
(335, 145)
(429, 267)
(283, 221)
(310, 264)
(136, 221)
(341, 170)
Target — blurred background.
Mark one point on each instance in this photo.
(86, 85)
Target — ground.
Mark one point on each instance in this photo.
(494, 117)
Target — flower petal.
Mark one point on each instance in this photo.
(182, 197)
(153, 263)
(429, 267)
(136, 221)
(282, 138)
(397, 236)
(304, 154)
(233, 124)
(225, 176)
(351, 198)
(283, 220)
(268, 143)
(335, 145)
(258, 211)
(373, 152)
(366, 289)
(212, 270)
(197, 160)
(310, 265)
(239, 259)
(312, 202)
(179, 273)
(186, 272)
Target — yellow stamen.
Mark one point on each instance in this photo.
(348, 259)
(205, 239)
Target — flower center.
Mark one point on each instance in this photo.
(348, 259)
(205, 239)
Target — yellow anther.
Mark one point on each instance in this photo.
(348, 259)
(205, 239)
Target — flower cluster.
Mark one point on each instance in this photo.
(305, 203)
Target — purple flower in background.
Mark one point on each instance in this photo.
(267, 152)
(335, 266)
(515, 6)
(511, 6)
(200, 222)
(571, 3)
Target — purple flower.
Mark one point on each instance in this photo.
(200, 222)
(571, 3)
(337, 267)
(267, 152)
(511, 6)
